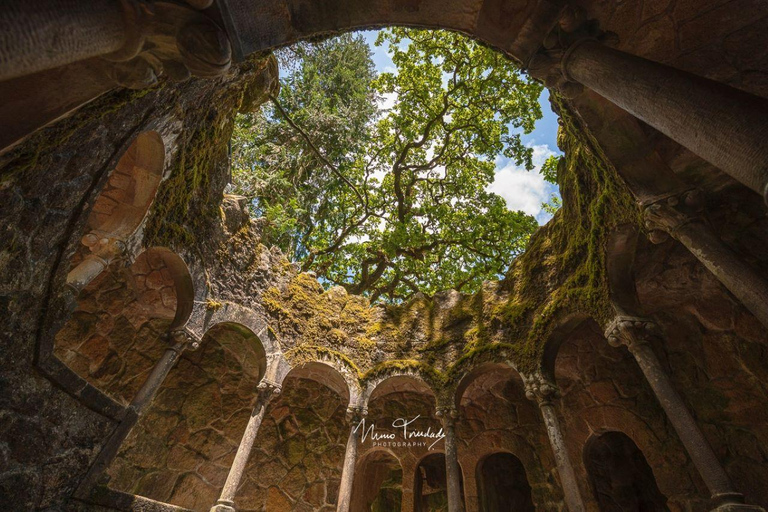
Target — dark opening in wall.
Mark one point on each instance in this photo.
(503, 484)
(620, 476)
(430, 491)
(382, 479)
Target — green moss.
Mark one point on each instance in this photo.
(186, 205)
(309, 353)
(213, 305)
(27, 158)
(432, 376)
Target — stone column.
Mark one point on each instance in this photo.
(543, 392)
(680, 217)
(725, 126)
(102, 253)
(183, 340)
(50, 33)
(139, 38)
(354, 416)
(226, 502)
(447, 416)
(635, 333)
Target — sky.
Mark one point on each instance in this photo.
(521, 189)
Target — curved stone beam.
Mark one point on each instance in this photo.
(516, 27)
(413, 375)
(458, 387)
(335, 367)
(558, 336)
(235, 313)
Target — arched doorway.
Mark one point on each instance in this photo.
(430, 488)
(620, 476)
(379, 484)
(503, 485)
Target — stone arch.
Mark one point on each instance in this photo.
(333, 376)
(119, 329)
(603, 389)
(397, 382)
(496, 416)
(154, 269)
(378, 482)
(120, 208)
(430, 483)
(130, 190)
(561, 333)
(300, 445)
(478, 373)
(620, 476)
(230, 312)
(181, 449)
(511, 27)
(502, 484)
(243, 344)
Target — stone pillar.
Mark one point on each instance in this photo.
(140, 38)
(543, 392)
(354, 416)
(725, 126)
(50, 33)
(183, 340)
(635, 333)
(447, 416)
(226, 502)
(680, 217)
(102, 253)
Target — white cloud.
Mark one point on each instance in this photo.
(525, 190)
(387, 100)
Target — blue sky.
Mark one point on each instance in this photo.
(521, 189)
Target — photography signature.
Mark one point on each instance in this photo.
(403, 429)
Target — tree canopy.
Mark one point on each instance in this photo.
(391, 202)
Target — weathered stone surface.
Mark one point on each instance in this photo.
(181, 450)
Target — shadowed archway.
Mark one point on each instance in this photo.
(379, 482)
(503, 484)
(620, 476)
(430, 487)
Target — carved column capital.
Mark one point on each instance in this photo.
(630, 331)
(267, 390)
(665, 216)
(355, 413)
(171, 38)
(549, 63)
(184, 339)
(540, 389)
(447, 414)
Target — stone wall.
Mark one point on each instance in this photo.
(54, 421)
(718, 39)
(717, 355)
(118, 330)
(69, 372)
